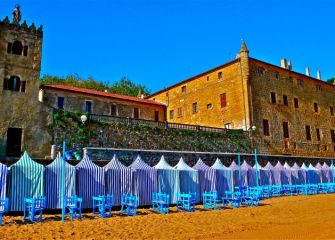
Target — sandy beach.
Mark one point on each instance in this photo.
(297, 217)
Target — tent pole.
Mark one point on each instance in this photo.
(239, 169)
(63, 180)
(256, 163)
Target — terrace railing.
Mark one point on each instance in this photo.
(131, 121)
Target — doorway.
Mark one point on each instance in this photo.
(14, 138)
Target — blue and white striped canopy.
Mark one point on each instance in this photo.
(168, 179)
(90, 181)
(274, 175)
(53, 180)
(26, 180)
(207, 177)
(3, 180)
(248, 174)
(144, 181)
(224, 178)
(285, 174)
(314, 175)
(302, 175)
(118, 179)
(189, 178)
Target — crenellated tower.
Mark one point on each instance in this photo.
(20, 66)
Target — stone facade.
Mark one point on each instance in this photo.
(23, 120)
(247, 84)
(74, 99)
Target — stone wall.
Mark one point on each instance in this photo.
(141, 136)
(284, 82)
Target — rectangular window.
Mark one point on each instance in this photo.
(88, 106)
(332, 135)
(308, 133)
(156, 116)
(266, 129)
(316, 108)
(331, 111)
(180, 112)
(285, 100)
(223, 100)
(209, 106)
(25, 51)
(318, 88)
(195, 107)
(300, 82)
(5, 84)
(207, 78)
(227, 125)
(183, 89)
(23, 86)
(286, 133)
(296, 103)
(273, 97)
(114, 110)
(9, 47)
(60, 102)
(261, 71)
(136, 113)
(276, 74)
(220, 75)
(171, 114)
(318, 134)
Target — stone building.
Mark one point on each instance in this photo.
(101, 103)
(285, 111)
(23, 119)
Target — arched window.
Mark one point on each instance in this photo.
(14, 84)
(17, 48)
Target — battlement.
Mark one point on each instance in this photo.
(23, 27)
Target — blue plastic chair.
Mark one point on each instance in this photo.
(73, 205)
(210, 200)
(34, 207)
(3, 208)
(232, 198)
(160, 202)
(129, 204)
(186, 201)
(102, 205)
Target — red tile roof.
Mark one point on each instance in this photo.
(100, 94)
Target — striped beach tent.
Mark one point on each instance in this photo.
(168, 179)
(264, 175)
(53, 182)
(224, 178)
(327, 174)
(206, 177)
(118, 179)
(144, 181)
(274, 174)
(26, 180)
(248, 174)
(305, 169)
(285, 174)
(301, 178)
(3, 180)
(189, 178)
(90, 181)
(314, 174)
(237, 181)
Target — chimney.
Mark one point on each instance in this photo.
(283, 63)
(318, 75)
(308, 73)
(289, 65)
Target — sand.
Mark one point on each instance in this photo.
(297, 217)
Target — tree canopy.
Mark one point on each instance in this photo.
(124, 86)
(331, 80)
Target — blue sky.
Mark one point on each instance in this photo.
(159, 43)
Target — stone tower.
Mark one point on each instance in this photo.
(23, 119)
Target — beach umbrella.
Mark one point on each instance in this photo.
(3, 180)
(118, 179)
(26, 181)
(206, 177)
(90, 181)
(189, 178)
(168, 179)
(53, 177)
(144, 181)
(224, 178)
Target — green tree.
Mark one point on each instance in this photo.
(124, 86)
(331, 80)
